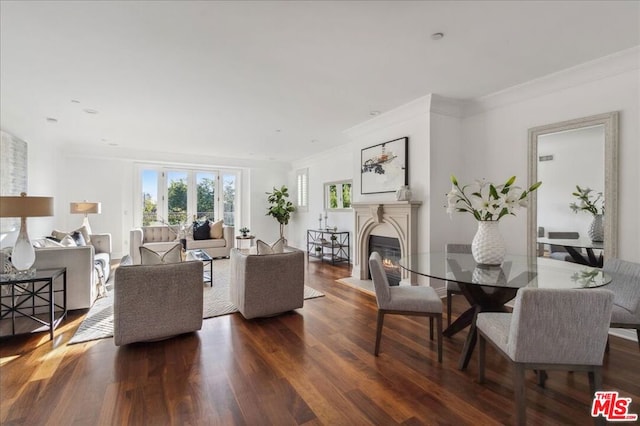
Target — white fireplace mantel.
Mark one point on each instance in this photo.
(397, 219)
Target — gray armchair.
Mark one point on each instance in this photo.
(549, 329)
(153, 302)
(626, 289)
(267, 284)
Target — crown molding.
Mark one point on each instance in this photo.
(606, 66)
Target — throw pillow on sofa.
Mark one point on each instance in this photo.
(265, 248)
(216, 229)
(83, 230)
(150, 257)
(201, 230)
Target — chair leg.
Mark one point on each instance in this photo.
(482, 346)
(638, 335)
(379, 331)
(430, 328)
(606, 348)
(449, 295)
(595, 379)
(439, 324)
(518, 389)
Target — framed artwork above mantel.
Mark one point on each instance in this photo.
(383, 167)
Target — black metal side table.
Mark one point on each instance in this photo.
(35, 298)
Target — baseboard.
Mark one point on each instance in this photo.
(624, 333)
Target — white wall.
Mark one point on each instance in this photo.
(495, 138)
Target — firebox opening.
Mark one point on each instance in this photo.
(389, 250)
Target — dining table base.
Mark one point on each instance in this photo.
(481, 299)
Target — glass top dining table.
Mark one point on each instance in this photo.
(489, 288)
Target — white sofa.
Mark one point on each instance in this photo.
(82, 279)
(161, 238)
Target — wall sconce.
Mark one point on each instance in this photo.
(23, 255)
(86, 208)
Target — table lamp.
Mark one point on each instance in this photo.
(23, 255)
(86, 208)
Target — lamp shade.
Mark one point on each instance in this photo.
(24, 206)
(85, 207)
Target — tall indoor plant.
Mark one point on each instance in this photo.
(488, 203)
(280, 208)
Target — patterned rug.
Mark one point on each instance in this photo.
(98, 324)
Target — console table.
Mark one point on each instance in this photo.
(35, 298)
(329, 245)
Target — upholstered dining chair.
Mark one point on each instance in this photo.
(453, 287)
(625, 286)
(549, 329)
(404, 300)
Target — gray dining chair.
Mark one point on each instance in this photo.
(547, 330)
(559, 252)
(453, 287)
(404, 300)
(625, 286)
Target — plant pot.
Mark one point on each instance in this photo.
(488, 246)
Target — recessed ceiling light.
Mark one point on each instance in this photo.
(374, 113)
(113, 144)
(278, 130)
(314, 140)
(75, 101)
(437, 36)
(52, 120)
(90, 111)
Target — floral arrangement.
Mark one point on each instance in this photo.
(586, 278)
(584, 196)
(486, 201)
(244, 230)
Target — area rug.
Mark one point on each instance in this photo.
(98, 324)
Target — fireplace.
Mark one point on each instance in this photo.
(394, 219)
(389, 250)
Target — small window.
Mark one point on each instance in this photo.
(337, 195)
(302, 181)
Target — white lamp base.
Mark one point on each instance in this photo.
(23, 255)
(85, 223)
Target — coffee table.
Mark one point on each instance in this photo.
(203, 256)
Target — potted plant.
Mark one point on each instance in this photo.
(244, 231)
(280, 208)
(594, 206)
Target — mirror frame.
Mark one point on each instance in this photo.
(610, 122)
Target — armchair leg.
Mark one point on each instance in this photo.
(449, 295)
(482, 346)
(439, 324)
(520, 398)
(430, 328)
(379, 331)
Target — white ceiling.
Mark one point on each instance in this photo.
(264, 79)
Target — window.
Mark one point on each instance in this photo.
(337, 195)
(302, 180)
(173, 196)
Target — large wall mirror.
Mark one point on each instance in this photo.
(581, 152)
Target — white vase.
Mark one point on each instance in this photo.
(487, 246)
(596, 229)
(404, 193)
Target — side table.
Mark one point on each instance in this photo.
(34, 298)
(240, 238)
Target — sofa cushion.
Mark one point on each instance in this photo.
(215, 229)
(82, 230)
(264, 248)
(78, 238)
(201, 230)
(67, 241)
(204, 244)
(150, 257)
(160, 247)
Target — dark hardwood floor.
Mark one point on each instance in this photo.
(312, 366)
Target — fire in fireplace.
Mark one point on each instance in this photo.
(389, 250)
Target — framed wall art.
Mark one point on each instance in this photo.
(383, 167)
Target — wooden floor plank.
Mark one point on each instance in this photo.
(314, 366)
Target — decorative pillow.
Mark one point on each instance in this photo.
(150, 257)
(201, 230)
(78, 238)
(67, 241)
(215, 229)
(59, 235)
(46, 242)
(85, 234)
(264, 248)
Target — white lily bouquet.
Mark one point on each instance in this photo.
(486, 201)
